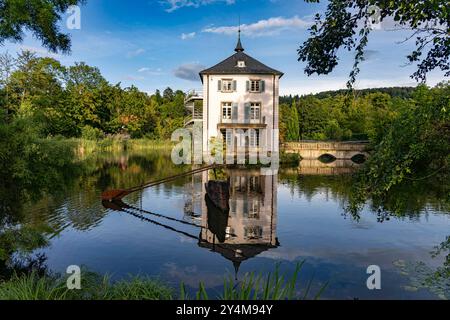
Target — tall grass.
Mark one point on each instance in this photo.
(86, 147)
(275, 286)
(94, 287)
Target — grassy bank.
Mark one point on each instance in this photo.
(275, 286)
(94, 287)
(85, 147)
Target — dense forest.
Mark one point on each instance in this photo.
(77, 101)
(343, 115)
(395, 92)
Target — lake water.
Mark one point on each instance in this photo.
(297, 215)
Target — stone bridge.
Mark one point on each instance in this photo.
(312, 150)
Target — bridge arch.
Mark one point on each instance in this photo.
(327, 158)
(359, 158)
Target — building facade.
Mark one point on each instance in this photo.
(240, 104)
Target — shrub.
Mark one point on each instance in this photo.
(90, 133)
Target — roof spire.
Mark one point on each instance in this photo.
(239, 47)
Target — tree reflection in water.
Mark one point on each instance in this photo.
(246, 230)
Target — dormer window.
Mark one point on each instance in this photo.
(241, 64)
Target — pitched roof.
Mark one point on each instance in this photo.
(229, 65)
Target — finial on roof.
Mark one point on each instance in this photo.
(239, 47)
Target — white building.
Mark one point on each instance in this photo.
(240, 103)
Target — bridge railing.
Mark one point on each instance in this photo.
(327, 145)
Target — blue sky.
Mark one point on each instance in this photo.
(153, 44)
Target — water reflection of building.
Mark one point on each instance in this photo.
(248, 226)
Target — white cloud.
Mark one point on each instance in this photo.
(135, 53)
(143, 70)
(186, 36)
(189, 71)
(133, 78)
(178, 4)
(151, 72)
(272, 26)
(40, 51)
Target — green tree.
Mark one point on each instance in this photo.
(347, 24)
(168, 95)
(7, 66)
(415, 147)
(313, 118)
(36, 90)
(40, 17)
(83, 76)
(293, 128)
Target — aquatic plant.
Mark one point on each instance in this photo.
(275, 287)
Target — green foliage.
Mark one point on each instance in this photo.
(417, 143)
(29, 164)
(335, 117)
(394, 92)
(414, 149)
(421, 276)
(40, 17)
(94, 287)
(292, 122)
(347, 24)
(69, 101)
(290, 159)
(92, 134)
(30, 167)
(20, 240)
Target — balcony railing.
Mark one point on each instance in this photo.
(193, 95)
(223, 120)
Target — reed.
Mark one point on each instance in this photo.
(275, 286)
(94, 287)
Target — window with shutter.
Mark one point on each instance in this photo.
(247, 113)
(235, 113)
(227, 85)
(255, 86)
